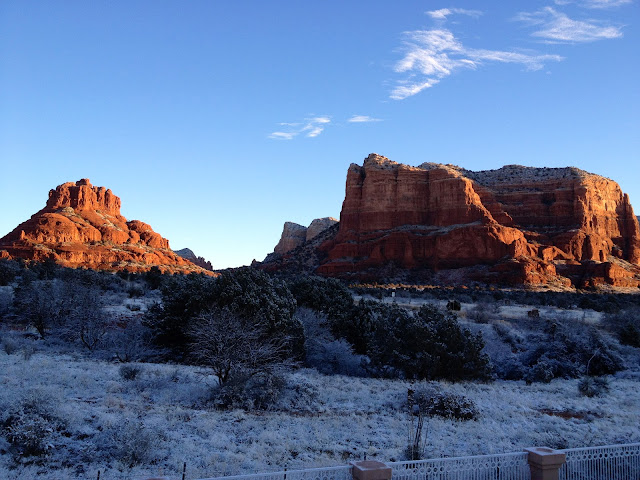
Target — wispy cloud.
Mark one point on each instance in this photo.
(557, 27)
(363, 119)
(601, 4)
(443, 13)
(431, 55)
(310, 127)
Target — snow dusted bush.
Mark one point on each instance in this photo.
(256, 392)
(6, 300)
(245, 292)
(133, 443)
(428, 345)
(31, 425)
(593, 386)
(9, 269)
(10, 345)
(433, 402)
(325, 353)
(130, 372)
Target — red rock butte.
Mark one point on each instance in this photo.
(528, 225)
(81, 226)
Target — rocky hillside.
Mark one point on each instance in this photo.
(188, 254)
(514, 225)
(294, 235)
(81, 226)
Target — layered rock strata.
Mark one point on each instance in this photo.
(81, 226)
(188, 254)
(530, 225)
(294, 235)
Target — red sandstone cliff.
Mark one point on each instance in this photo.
(81, 226)
(531, 225)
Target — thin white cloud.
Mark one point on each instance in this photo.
(600, 4)
(282, 135)
(431, 55)
(443, 13)
(557, 27)
(310, 127)
(363, 119)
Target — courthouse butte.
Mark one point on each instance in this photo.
(81, 226)
(514, 225)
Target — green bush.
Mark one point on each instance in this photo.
(428, 345)
(245, 292)
(629, 334)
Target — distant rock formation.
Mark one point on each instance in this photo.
(188, 254)
(81, 226)
(522, 225)
(294, 235)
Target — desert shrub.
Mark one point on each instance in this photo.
(153, 277)
(235, 347)
(130, 341)
(6, 302)
(133, 443)
(593, 386)
(326, 295)
(454, 305)
(510, 337)
(184, 297)
(10, 345)
(31, 426)
(428, 345)
(444, 404)
(9, 269)
(568, 353)
(324, 352)
(479, 314)
(41, 304)
(246, 292)
(135, 291)
(629, 334)
(543, 371)
(130, 372)
(69, 309)
(533, 313)
(257, 392)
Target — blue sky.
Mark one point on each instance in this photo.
(217, 121)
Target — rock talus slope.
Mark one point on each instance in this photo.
(81, 226)
(528, 225)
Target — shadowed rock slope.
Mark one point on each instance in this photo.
(81, 226)
(514, 225)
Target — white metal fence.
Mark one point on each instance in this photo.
(612, 462)
(330, 473)
(509, 466)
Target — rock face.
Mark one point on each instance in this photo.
(528, 225)
(295, 235)
(188, 254)
(81, 226)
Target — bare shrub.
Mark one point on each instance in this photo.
(234, 346)
(130, 372)
(433, 402)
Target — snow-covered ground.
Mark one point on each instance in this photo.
(162, 419)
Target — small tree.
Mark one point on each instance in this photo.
(233, 346)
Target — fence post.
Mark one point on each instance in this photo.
(545, 463)
(370, 470)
